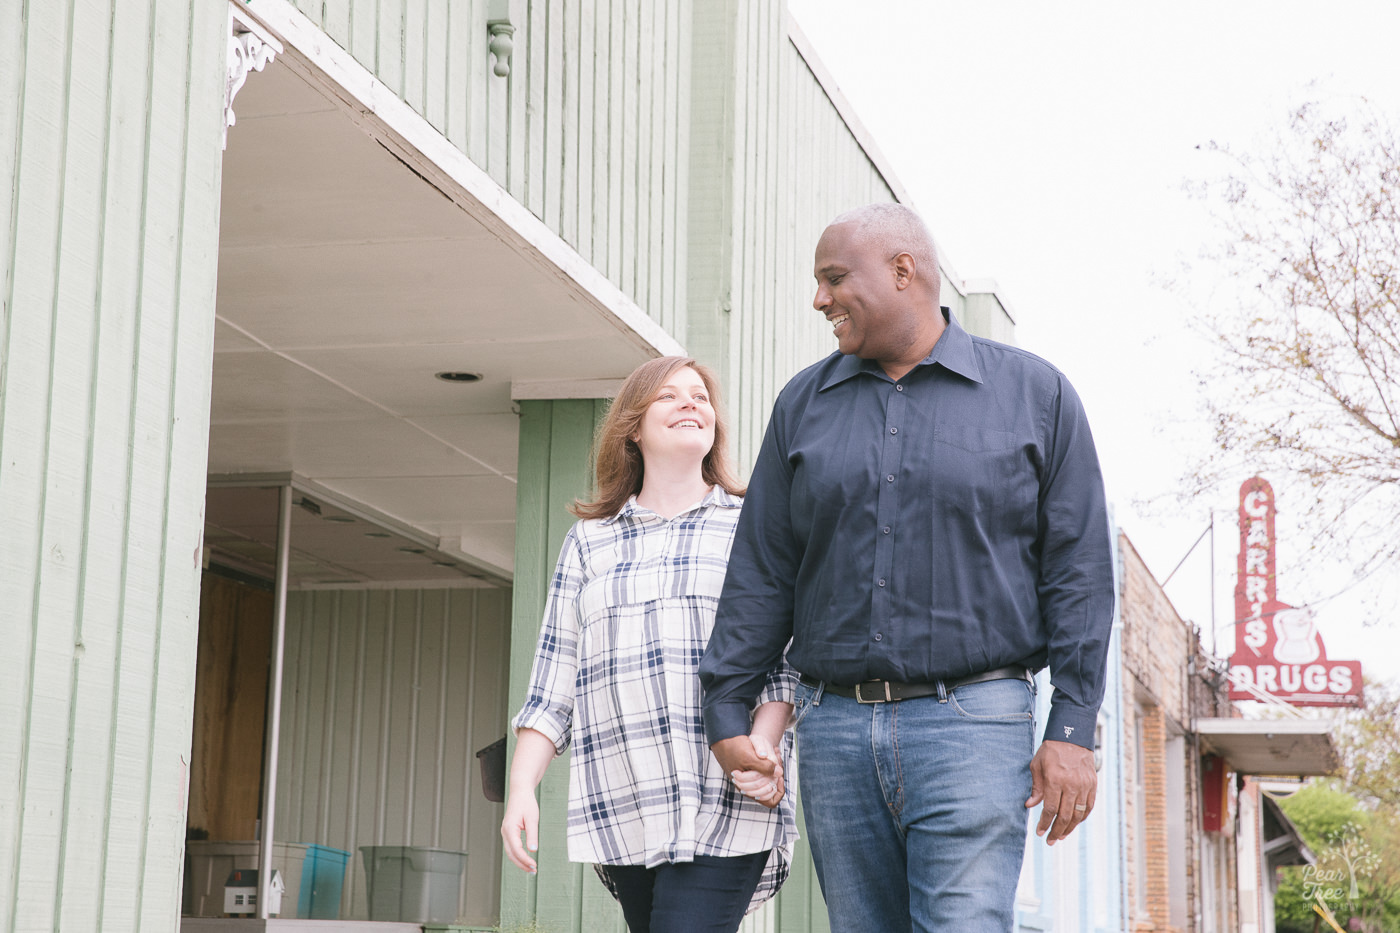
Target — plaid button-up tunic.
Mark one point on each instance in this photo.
(629, 613)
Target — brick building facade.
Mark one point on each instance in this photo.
(1177, 876)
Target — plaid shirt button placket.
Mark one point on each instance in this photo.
(628, 614)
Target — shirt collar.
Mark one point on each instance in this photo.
(718, 496)
(953, 351)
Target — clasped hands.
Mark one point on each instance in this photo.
(754, 765)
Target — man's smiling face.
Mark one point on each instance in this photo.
(856, 292)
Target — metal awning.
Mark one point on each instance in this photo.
(1283, 844)
(1301, 747)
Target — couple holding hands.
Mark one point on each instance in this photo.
(925, 527)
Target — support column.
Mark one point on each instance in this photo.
(267, 825)
(556, 438)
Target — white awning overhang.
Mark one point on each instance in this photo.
(382, 305)
(1301, 747)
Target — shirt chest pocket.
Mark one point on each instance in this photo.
(696, 574)
(977, 470)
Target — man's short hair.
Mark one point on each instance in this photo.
(895, 229)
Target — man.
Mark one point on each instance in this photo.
(926, 523)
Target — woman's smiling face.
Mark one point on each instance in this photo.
(681, 419)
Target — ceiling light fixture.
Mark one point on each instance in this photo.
(459, 377)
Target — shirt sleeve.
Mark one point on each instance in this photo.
(753, 623)
(780, 685)
(549, 700)
(1076, 571)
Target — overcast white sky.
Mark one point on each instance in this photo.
(1047, 145)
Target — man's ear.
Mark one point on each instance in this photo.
(904, 268)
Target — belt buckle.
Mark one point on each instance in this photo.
(884, 699)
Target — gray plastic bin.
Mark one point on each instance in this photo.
(413, 884)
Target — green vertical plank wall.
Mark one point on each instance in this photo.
(387, 694)
(796, 165)
(555, 441)
(589, 130)
(110, 129)
(772, 161)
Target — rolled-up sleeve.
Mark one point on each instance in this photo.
(549, 701)
(744, 659)
(1075, 587)
(780, 685)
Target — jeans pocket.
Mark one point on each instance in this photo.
(802, 702)
(1009, 700)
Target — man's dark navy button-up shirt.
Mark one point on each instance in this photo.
(947, 524)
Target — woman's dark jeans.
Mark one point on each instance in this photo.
(708, 895)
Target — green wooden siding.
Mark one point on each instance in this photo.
(110, 116)
(555, 442)
(773, 162)
(387, 696)
(589, 130)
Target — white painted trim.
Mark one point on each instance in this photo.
(400, 585)
(565, 388)
(387, 118)
(863, 137)
(989, 287)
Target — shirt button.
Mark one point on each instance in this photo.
(885, 530)
(878, 636)
(890, 478)
(882, 582)
(894, 430)
(899, 388)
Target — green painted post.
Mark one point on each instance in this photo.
(556, 440)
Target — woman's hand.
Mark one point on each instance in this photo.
(522, 819)
(767, 790)
(533, 753)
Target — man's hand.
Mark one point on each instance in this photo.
(766, 789)
(1063, 777)
(738, 754)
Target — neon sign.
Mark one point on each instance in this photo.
(1278, 648)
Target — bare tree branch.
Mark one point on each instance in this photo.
(1304, 381)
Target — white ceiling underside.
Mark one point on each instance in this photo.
(346, 282)
(1276, 746)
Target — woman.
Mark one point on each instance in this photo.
(680, 844)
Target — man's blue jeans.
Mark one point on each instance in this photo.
(915, 810)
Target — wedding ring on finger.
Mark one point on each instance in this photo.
(1080, 808)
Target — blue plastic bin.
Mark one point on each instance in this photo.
(322, 879)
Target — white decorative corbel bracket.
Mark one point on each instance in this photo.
(501, 44)
(250, 48)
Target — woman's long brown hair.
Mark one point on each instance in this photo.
(618, 465)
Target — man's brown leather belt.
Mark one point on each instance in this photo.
(888, 691)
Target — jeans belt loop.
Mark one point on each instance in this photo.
(942, 691)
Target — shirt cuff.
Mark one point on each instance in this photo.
(781, 686)
(547, 724)
(1073, 724)
(726, 720)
